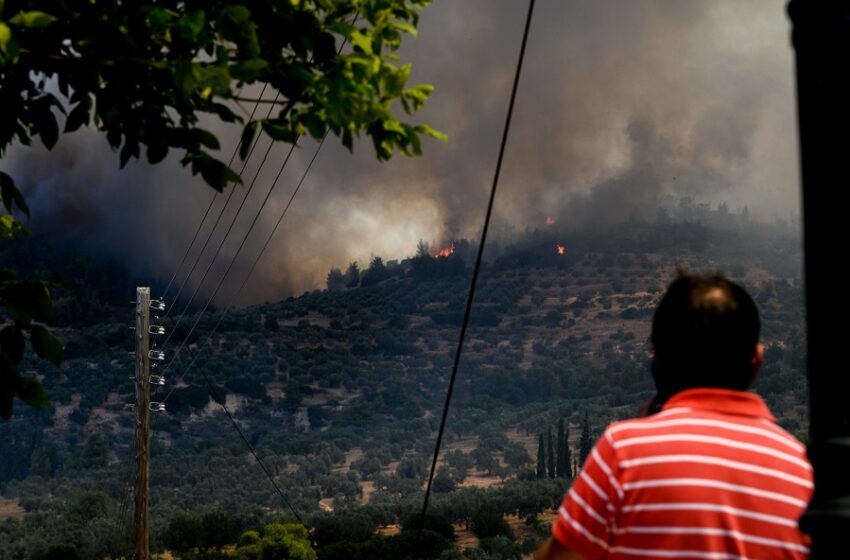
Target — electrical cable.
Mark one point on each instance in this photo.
(210, 386)
(212, 201)
(250, 228)
(217, 398)
(212, 231)
(256, 260)
(232, 260)
(477, 268)
(120, 528)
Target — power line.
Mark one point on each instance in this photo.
(232, 260)
(233, 299)
(212, 231)
(126, 494)
(210, 386)
(212, 201)
(477, 268)
(217, 398)
(250, 228)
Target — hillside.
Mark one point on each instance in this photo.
(340, 391)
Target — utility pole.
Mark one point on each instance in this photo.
(143, 420)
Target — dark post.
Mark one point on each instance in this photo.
(821, 39)
(143, 421)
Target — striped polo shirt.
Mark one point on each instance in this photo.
(711, 476)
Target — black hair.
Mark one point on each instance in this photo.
(704, 332)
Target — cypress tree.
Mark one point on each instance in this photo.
(560, 465)
(550, 454)
(585, 443)
(541, 457)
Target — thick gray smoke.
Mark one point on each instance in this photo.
(620, 104)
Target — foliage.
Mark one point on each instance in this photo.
(279, 541)
(86, 507)
(377, 407)
(407, 545)
(585, 441)
(342, 527)
(145, 74)
(60, 551)
(433, 522)
(488, 522)
(30, 310)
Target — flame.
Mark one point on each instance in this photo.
(550, 220)
(561, 249)
(444, 252)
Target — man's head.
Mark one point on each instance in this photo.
(705, 333)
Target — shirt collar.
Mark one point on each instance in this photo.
(726, 401)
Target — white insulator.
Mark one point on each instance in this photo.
(157, 355)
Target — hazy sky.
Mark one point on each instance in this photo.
(619, 104)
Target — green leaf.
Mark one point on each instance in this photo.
(29, 301)
(347, 139)
(9, 45)
(185, 76)
(33, 19)
(361, 41)
(5, 35)
(46, 345)
(157, 152)
(208, 139)
(215, 173)
(279, 132)
(7, 190)
(130, 150)
(314, 124)
(79, 115)
(405, 28)
(10, 227)
(428, 131)
(191, 25)
(12, 343)
(218, 175)
(247, 139)
(48, 130)
(248, 70)
(11, 194)
(225, 114)
(31, 392)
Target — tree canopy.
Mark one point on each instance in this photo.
(147, 74)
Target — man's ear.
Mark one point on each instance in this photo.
(758, 359)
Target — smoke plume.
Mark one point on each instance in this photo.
(619, 105)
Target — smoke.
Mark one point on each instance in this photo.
(618, 106)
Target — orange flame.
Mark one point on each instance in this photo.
(561, 249)
(444, 252)
(550, 220)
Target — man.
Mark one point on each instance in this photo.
(708, 474)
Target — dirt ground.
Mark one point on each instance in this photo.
(11, 509)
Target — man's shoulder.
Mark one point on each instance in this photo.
(685, 420)
(665, 418)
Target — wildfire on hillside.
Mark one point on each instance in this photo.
(561, 249)
(444, 252)
(550, 220)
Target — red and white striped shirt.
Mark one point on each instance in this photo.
(710, 477)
